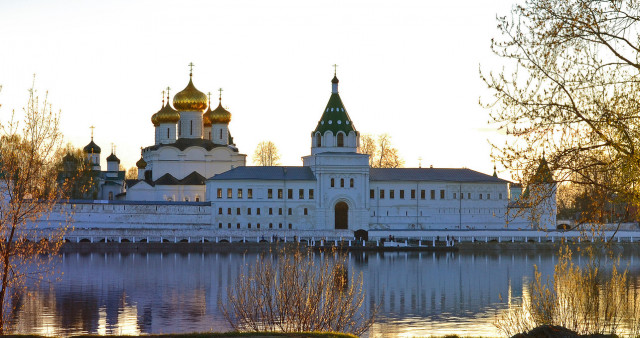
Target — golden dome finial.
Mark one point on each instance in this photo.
(162, 99)
(209, 95)
(220, 98)
(190, 98)
(191, 69)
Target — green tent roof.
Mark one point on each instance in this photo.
(335, 117)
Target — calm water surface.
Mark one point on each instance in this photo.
(419, 293)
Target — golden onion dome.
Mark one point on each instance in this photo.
(154, 120)
(141, 164)
(219, 115)
(167, 115)
(190, 99)
(205, 118)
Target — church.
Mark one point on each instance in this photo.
(194, 159)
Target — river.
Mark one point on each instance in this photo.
(418, 294)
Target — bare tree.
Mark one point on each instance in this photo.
(75, 174)
(382, 154)
(28, 190)
(570, 88)
(132, 173)
(295, 291)
(266, 154)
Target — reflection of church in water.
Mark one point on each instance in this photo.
(194, 159)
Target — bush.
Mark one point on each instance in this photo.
(293, 292)
(583, 299)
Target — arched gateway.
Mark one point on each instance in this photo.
(342, 215)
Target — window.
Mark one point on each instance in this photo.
(229, 193)
(229, 225)
(179, 128)
(197, 198)
(238, 226)
(270, 211)
(289, 212)
(310, 194)
(239, 193)
(280, 193)
(413, 194)
(402, 194)
(228, 211)
(340, 140)
(270, 225)
(290, 226)
(381, 194)
(220, 225)
(480, 196)
(306, 212)
(290, 194)
(167, 132)
(249, 193)
(270, 193)
(219, 192)
(333, 184)
(237, 211)
(488, 196)
(442, 194)
(500, 195)
(461, 196)
(392, 194)
(186, 199)
(318, 140)
(257, 211)
(219, 211)
(300, 194)
(279, 211)
(191, 128)
(280, 225)
(342, 183)
(248, 211)
(221, 134)
(455, 196)
(351, 183)
(249, 226)
(258, 225)
(372, 194)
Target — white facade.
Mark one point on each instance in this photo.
(334, 191)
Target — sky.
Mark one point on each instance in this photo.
(406, 68)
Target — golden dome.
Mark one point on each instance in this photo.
(190, 99)
(141, 164)
(205, 118)
(219, 115)
(154, 119)
(167, 115)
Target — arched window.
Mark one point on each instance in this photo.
(333, 182)
(318, 140)
(342, 183)
(110, 195)
(351, 183)
(340, 140)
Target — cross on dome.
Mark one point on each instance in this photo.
(191, 68)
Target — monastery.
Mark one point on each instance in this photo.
(195, 163)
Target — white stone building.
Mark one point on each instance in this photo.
(194, 160)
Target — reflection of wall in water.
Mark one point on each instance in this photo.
(430, 284)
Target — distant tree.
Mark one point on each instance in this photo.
(28, 191)
(266, 154)
(381, 152)
(132, 173)
(75, 173)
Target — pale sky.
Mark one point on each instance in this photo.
(406, 68)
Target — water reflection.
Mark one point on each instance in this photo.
(417, 293)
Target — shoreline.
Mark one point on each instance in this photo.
(210, 247)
